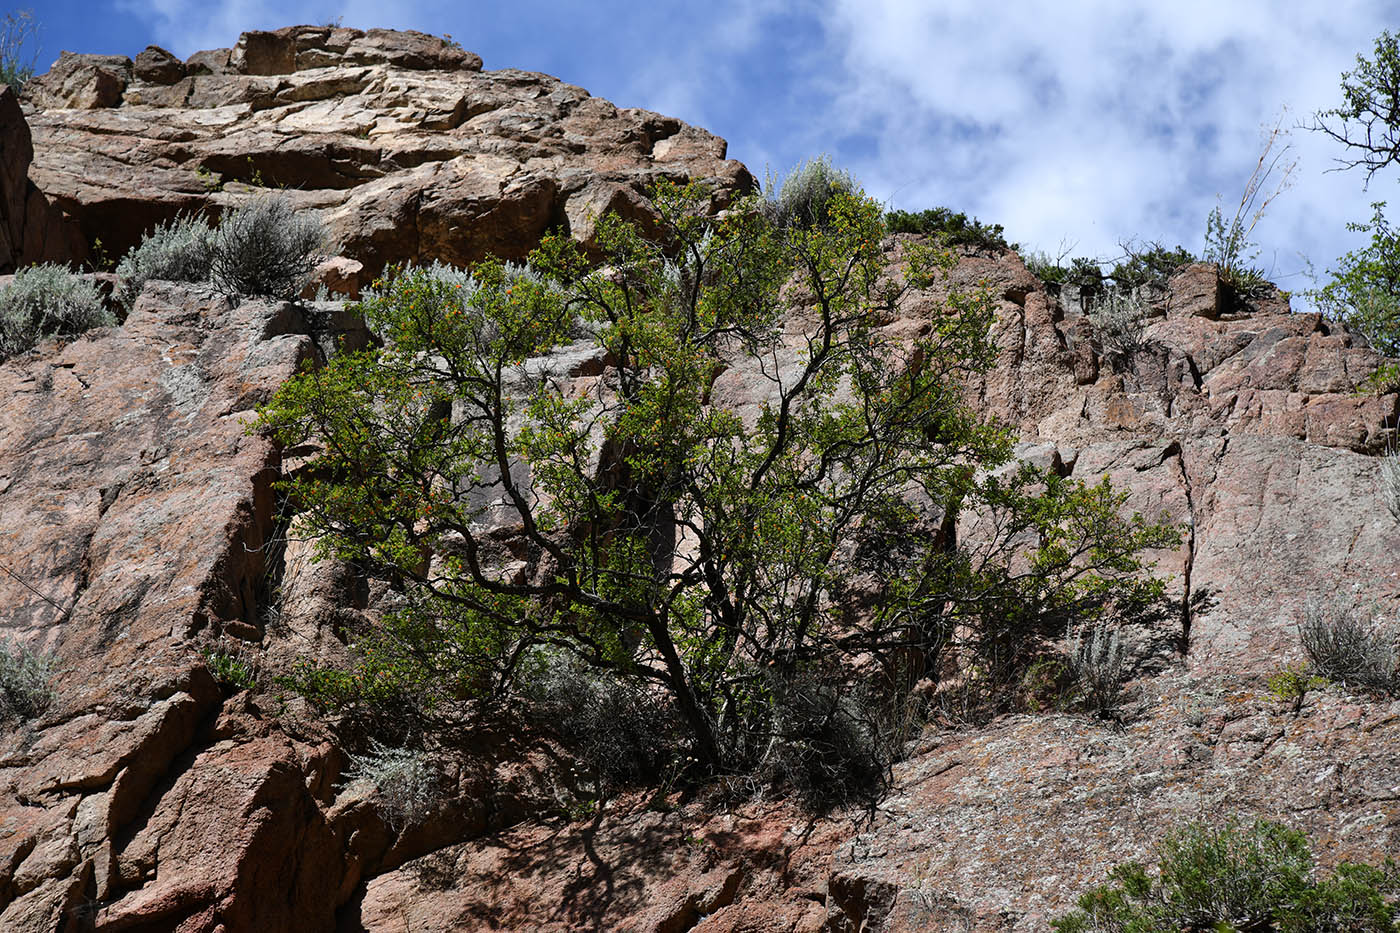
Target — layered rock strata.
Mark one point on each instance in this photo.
(410, 151)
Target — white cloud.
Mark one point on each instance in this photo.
(1098, 121)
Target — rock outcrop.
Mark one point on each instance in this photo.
(31, 228)
(1245, 426)
(409, 150)
(137, 512)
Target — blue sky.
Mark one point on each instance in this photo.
(1076, 125)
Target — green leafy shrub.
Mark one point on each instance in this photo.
(265, 248)
(178, 251)
(1290, 684)
(668, 542)
(408, 786)
(24, 682)
(949, 227)
(1234, 879)
(1151, 265)
(1345, 643)
(1364, 292)
(231, 670)
(802, 201)
(1082, 272)
(1044, 267)
(47, 301)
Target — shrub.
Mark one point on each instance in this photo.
(1099, 663)
(669, 542)
(1290, 684)
(1364, 291)
(1151, 265)
(1238, 877)
(16, 30)
(801, 202)
(408, 785)
(949, 227)
(1346, 644)
(832, 744)
(178, 251)
(1390, 480)
(1119, 322)
(623, 732)
(265, 248)
(24, 682)
(46, 301)
(1045, 268)
(230, 670)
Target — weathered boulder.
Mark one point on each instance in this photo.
(158, 66)
(84, 82)
(409, 151)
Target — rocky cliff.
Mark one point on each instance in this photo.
(138, 514)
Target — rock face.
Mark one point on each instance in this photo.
(31, 229)
(137, 513)
(1242, 425)
(409, 150)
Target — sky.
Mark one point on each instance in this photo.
(1078, 125)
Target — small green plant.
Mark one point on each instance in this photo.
(230, 669)
(1346, 643)
(581, 809)
(17, 29)
(46, 301)
(255, 175)
(949, 227)
(1046, 268)
(265, 248)
(100, 260)
(1290, 684)
(212, 181)
(408, 786)
(1228, 244)
(24, 682)
(1237, 878)
(178, 251)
